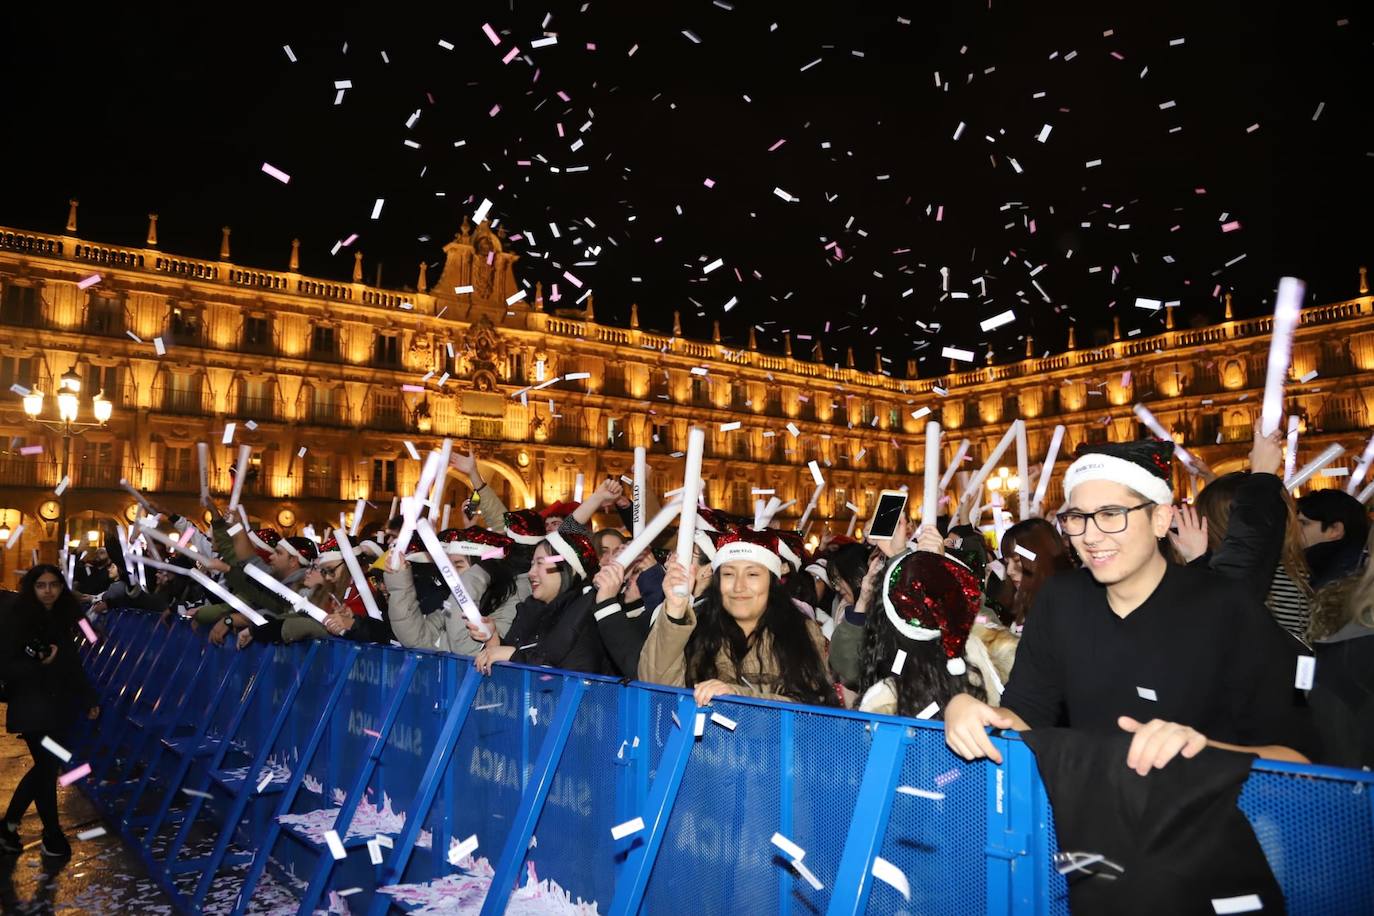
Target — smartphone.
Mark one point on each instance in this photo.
(891, 506)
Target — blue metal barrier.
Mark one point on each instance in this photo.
(256, 753)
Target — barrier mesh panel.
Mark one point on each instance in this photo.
(937, 843)
(575, 848)
(1317, 834)
(717, 853)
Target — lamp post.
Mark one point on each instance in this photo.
(67, 425)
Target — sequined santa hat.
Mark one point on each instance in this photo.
(525, 526)
(750, 546)
(303, 549)
(792, 548)
(711, 523)
(264, 540)
(577, 549)
(560, 509)
(331, 551)
(482, 543)
(927, 596)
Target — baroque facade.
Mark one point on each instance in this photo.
(331, 384)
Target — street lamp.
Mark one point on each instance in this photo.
(67, 425)
(1004, 481)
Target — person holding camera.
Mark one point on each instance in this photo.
(46, 690)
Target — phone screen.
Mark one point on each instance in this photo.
(885, 518)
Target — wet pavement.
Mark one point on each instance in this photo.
(103, 876)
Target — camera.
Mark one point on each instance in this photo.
(37, 648)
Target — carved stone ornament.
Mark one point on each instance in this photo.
(482, 351)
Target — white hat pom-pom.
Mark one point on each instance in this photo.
(955, 666)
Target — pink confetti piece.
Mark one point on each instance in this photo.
(372, 734)
(31, 450)
(511, 55)
(72, 776)
(88, 282)
(494, 110)
(710, 183)
(88, 631)
(491, 33)
(778, 144)
(1232, 226)
(275, 172)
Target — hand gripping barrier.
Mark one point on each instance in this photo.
(339, 777)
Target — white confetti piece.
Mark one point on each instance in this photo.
(996, 321)
(1023, 552)
(723, 721)
(266, 781)
(956, 353)
(57, 750)
(921, 793)
(629, 828)
(1147, 693)
(1308, 376)
(899, 662)
(374, 852)
(730, 427)
(1044, 133)
(890, 874)
(336, 846)
(91, 834)
(1307, 669)
(929, 711)
(464, 849)
(228, 438)
(806, 873)
(699, 728)
(789, 849)
(61, 487)
(14, 537)
(1246, 903)
(276, 172)
(377, 208)
(290, 55)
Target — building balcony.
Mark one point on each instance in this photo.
(95, 475)
(259, 409)
(317, 414)
(486, 428)
(316, 486)
(21, 471)
(391, 419)
(182, 401)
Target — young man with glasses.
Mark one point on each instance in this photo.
(1174, 655)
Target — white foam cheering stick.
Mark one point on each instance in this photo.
(136, 494)
(240, 472)
(1148, 420)
(355, 571)
(975, 487)
(410, 509)
(1365, 494)
(954, 464)
(436, 495)
(578, 487)
(1023, 472)
(687, 523)
(1362, 468)
(439, 556)
(203, 459)
(209, 585)
(641, 541)
(930, 503)
(1290, 459)
(297, 601)
(1287, 314)
(641, 478)
(357, 517)
(1047, 471)
(1309, 470)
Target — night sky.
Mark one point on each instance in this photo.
(154, 108)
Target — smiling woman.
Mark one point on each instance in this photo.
(745, 638)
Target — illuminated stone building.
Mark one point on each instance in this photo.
(328, 382)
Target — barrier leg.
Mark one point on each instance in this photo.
(428, 788)
(210, 864)
(325, 862)
(869, 823)
(293, 786)
(532, 801)
(634, 878)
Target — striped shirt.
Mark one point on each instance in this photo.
(1288, 603)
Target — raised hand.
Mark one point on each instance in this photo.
(1266, 452)
(676, 589)
(1190, 540)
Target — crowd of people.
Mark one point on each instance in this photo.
(1180, 626)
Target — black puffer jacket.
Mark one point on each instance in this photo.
(561, 633)
(43, 699)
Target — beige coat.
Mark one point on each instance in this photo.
(663, 661)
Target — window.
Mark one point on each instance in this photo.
(96, 464)
(257, 333)
(387, 411)
(255, 399)
(739, 396)
(182, 394)
(324, 407)
(841, 497)
(104, 315)
(662, 438)
(869, 413)
(517, 367)
(741, 502)
(383, 475)
(101, 380)
(15, 370)
(1011, 407)
(386, 350)
(613, 431)
(323, 342)
(179, 472)
(319, 476)
(894, 418)
(615, 378)
(701, 392)
(19, 305)
(183, 326)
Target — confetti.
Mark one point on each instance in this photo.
(921, 793)
(276, 172)
(890, 874)
(336, 846)
(629, 828)
(91, 834)
(57, 750)
(72, 776)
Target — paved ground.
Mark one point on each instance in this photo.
(102, 876)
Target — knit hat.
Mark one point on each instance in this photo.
(475, 542)
(577, 549)
(927, 596)
(751, 546)
(303, 549)
(525, 526)
(559, 509)
(1145, 466)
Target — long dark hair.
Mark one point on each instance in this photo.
(924, 678)
(66, 605)
(848, 564)
(1039, 537)
(500, 584)
(800, 668)
(567, 578)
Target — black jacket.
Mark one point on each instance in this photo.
(623, 627)
(1253, 546)
(43, 699)
(561, 633)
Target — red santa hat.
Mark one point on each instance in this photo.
(264, 540)
(751, 546)
(792, 548)
(303, 549)
(332, 551)
(927, 596)
(525, 526)
(560, 509)
(475, 542)
(577, 550)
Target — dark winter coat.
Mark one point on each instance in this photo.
(42, 699)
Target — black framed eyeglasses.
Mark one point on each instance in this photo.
(1108, 519)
